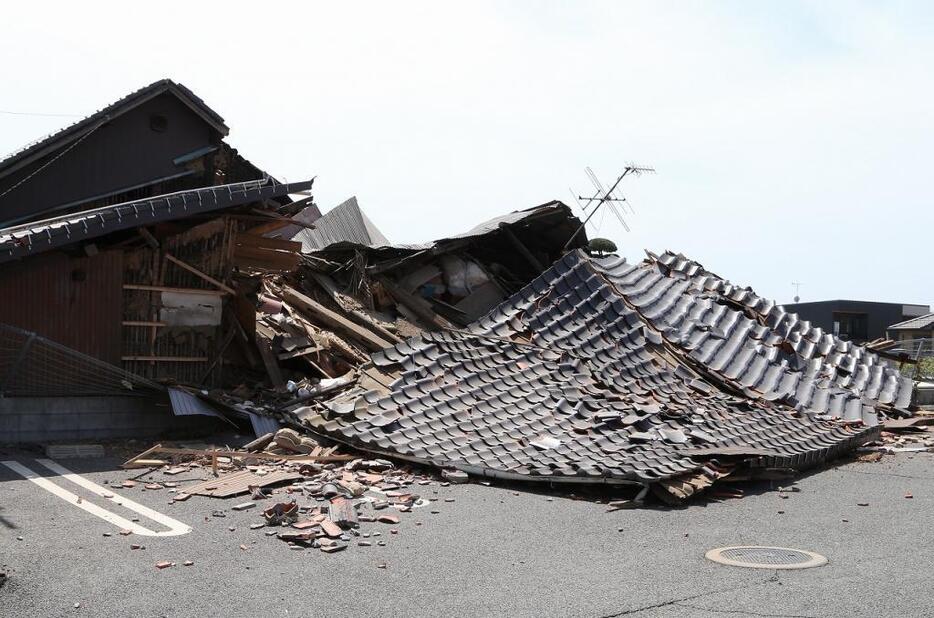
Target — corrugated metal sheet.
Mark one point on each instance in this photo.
(74, 301)
(263, 424)
(346, 229)
(186, 404)
(344, 223)
(581, 376)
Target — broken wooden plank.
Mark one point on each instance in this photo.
(333, 319)
(269, 360)
(419, 306)
(329, 286)
(260, 443)
(199, 273)
(300, 352)
(235, 483)
(228, 338)
(146, 463)
(270, 244)
(142, 455)
(148, 237)
(162, 288)
(239, 454)
(167, 359)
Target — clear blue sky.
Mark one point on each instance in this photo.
(792, 139)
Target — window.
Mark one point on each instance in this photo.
(851, 326)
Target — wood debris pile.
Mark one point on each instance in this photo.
(302, 493)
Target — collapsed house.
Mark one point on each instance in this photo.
(190, 280)
(659, 374)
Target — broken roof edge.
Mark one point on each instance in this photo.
(516, 217)
(40, 236)
(67, 134)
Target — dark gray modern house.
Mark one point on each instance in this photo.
(856, 320)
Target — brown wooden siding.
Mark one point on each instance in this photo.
(74, 301)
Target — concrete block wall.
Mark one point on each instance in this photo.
(55, 419)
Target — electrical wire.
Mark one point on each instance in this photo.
(59, 155)
(40, 114)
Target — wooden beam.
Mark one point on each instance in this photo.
(520, 246)
(299, 352)
(274, 215)
(167, 359)
(148, 237)
(329, 286)
(231, 333)
(270, 244)
(198, 273)
(418, 306)
(333, 319)
(269, 359)
(162, 288)
(239, 454)
(141, 323)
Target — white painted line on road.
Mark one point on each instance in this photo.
(175, 527)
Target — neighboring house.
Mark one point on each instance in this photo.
(130, 244)
(856, 320)
(156, 140)
(921, 327)
(142, 197)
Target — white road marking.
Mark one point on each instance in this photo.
(175, 527)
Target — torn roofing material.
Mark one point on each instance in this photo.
(37, 237)
(554, 214)
(343, 223)
(597, 371)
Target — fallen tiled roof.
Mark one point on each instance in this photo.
(602, 371)
(754, 345)
(918, 323)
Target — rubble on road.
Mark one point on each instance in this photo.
(312, 504)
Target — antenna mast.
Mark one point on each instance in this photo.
(602, 196)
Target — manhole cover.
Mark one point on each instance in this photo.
(754, 557)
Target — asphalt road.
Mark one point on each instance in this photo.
(490, 552)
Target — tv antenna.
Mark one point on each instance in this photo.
(797, 286)
(601, 196)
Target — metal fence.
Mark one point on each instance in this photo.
(920, 350)
(33, 366)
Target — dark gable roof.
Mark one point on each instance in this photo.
(76, 130)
